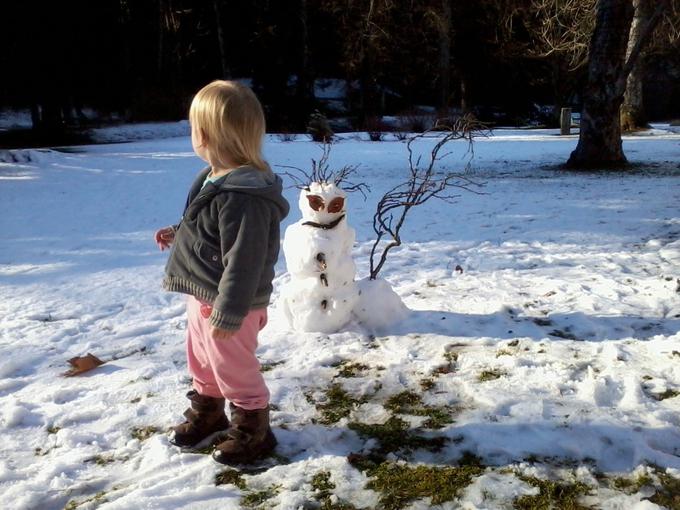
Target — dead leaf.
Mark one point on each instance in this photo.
(81, 364)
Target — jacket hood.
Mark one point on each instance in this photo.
(261, 183)
(246, 179)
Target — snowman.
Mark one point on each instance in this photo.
(321, 293)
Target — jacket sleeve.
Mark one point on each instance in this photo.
(244, 232)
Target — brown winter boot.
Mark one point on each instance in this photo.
(204, 417)
(249, 437)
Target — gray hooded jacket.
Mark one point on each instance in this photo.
(228, 242)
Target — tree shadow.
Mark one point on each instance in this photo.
(509, 324)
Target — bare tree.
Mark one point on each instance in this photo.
(221, 41)
(440, 16)
(423, 184)
(665, 37)
(558, 33)
(610, 63)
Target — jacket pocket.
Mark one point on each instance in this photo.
(208, 254)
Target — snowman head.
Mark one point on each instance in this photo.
(322, 202)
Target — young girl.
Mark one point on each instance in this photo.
(223, 255)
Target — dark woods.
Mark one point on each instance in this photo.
(137, 60)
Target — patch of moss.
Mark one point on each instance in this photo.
(553, 494)
(143, 433)
(470, 459)
(631, 486)
(400, 484)
(101, 460)
(668, 495)
(427, 384)
(489, 375)
(351, 369)
(442, 370)
(565, 334)
(98, 498)
(409, 402)
(666, 394)
(338, 405)
(53, 429)
(504, 352)
(451, 356)
(322, 485)
(403, 402)
(394, 435)
(256, 498)
(230, 477)
(266, 367)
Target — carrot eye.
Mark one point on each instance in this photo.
(336, 205)
(315, 202)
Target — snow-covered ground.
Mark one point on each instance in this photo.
(553, 355)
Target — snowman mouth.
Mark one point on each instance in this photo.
(325, 226)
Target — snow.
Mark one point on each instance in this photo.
(557, 345)
(379, 307)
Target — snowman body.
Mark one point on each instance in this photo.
(321, 293)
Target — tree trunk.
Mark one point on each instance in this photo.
(445, 55)
(599, 142)
(465, 103)
(161, 37)
(224, 63)
(304, 90)
(633, 111)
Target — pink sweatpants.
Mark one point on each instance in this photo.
(228, 368)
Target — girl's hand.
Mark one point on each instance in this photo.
(218, 334)
(164, 237)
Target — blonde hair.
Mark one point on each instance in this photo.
(232, 120)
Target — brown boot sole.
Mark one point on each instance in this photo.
(265, 449)
(197, 440)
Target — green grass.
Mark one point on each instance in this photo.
(144, 433)
(409, 402)
(631, 486)
(339, 404)
(666, 394)
(394, 435)
(427, 384)
(399, 485)
(98, 498)
(351, 369)
(256, 498)
(266, 367)
(668, 494)
(322, 485)
(552, 495)
(451, 356)
(230, 477)
(323, 488)
(565, 334)
(489, 375)
(101, 460)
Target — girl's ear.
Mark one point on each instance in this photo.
(202, 137)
